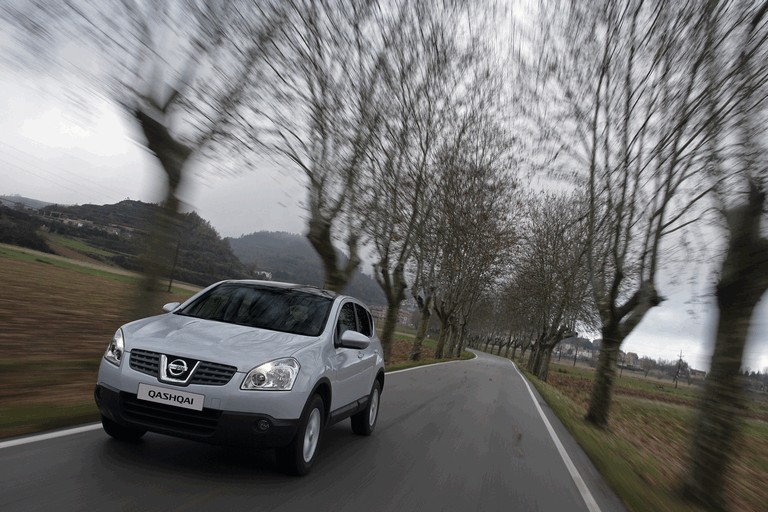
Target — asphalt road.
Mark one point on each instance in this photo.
(462, 436)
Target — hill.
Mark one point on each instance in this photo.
(116, 234)
(14, 201)
(19, 228)
(289, 257)
(121, 229)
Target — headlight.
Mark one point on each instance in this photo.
(114, 353)
(278, 375)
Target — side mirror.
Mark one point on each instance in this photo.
(354, 339)
(171, 306)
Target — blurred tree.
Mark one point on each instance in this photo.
(187, 71)
(736, 64)
(550, 272)
(476, 214)
(619, 100)
(424, 77)
(322, 113)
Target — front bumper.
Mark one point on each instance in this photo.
(209, 425)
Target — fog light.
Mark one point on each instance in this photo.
(262, 425)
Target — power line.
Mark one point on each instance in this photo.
(40, 165)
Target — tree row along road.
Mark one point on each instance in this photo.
(460, 436)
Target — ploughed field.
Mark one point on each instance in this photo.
(57, 318)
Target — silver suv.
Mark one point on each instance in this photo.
(251, 363)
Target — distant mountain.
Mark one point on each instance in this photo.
(14, 200)
(121, 229)
(289, 257)
(116, 234)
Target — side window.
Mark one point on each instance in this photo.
(346, 320)
(363, 320)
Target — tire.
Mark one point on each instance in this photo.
(298, 457)
(121, 432)
(364, 422)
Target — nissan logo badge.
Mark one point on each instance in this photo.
(177, 367)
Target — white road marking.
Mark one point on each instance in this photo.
(431, 365)
(589, 500)
(50, 435)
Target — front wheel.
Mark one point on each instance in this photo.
(364, 422)
(121, 432)
(297, 458)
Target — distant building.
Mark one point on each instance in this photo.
(697, 374)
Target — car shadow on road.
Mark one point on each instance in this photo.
(163, 455)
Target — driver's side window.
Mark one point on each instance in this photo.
(346, 321)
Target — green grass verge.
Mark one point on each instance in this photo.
(28, 419)
(79, 245)
(617, 459)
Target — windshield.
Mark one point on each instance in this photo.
(276, 309)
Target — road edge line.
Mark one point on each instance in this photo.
(581, 485)
(431, 365)
(49, 435)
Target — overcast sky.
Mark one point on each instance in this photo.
(50, 150)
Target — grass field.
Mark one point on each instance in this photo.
(77, 244)
(57, 316)
(644, 453)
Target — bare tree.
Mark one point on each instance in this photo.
(476, 214)
(185, 71)
(629, 132)
(550, 272)
(736, 167)
(324, 114)
(427, 249)
(421, 76)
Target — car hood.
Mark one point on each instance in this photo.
(208, 340)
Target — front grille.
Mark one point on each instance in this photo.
(145, 361)
(213, 374)
(168, 417)
(207, 373)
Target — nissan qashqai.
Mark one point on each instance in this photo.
(250, 363)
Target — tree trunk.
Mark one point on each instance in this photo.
(533, 362)
(156, 262)
(388, 330)
(421, 332)
(546, 357)
(441, 340)
(743, 282)
(452, 334)
(460, 345)
(602, 388)
(319, 235)
(514, 349)
(509, 343)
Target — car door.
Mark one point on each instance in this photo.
(368, 356)
(349, 363)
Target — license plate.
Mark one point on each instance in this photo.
(170, 397)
